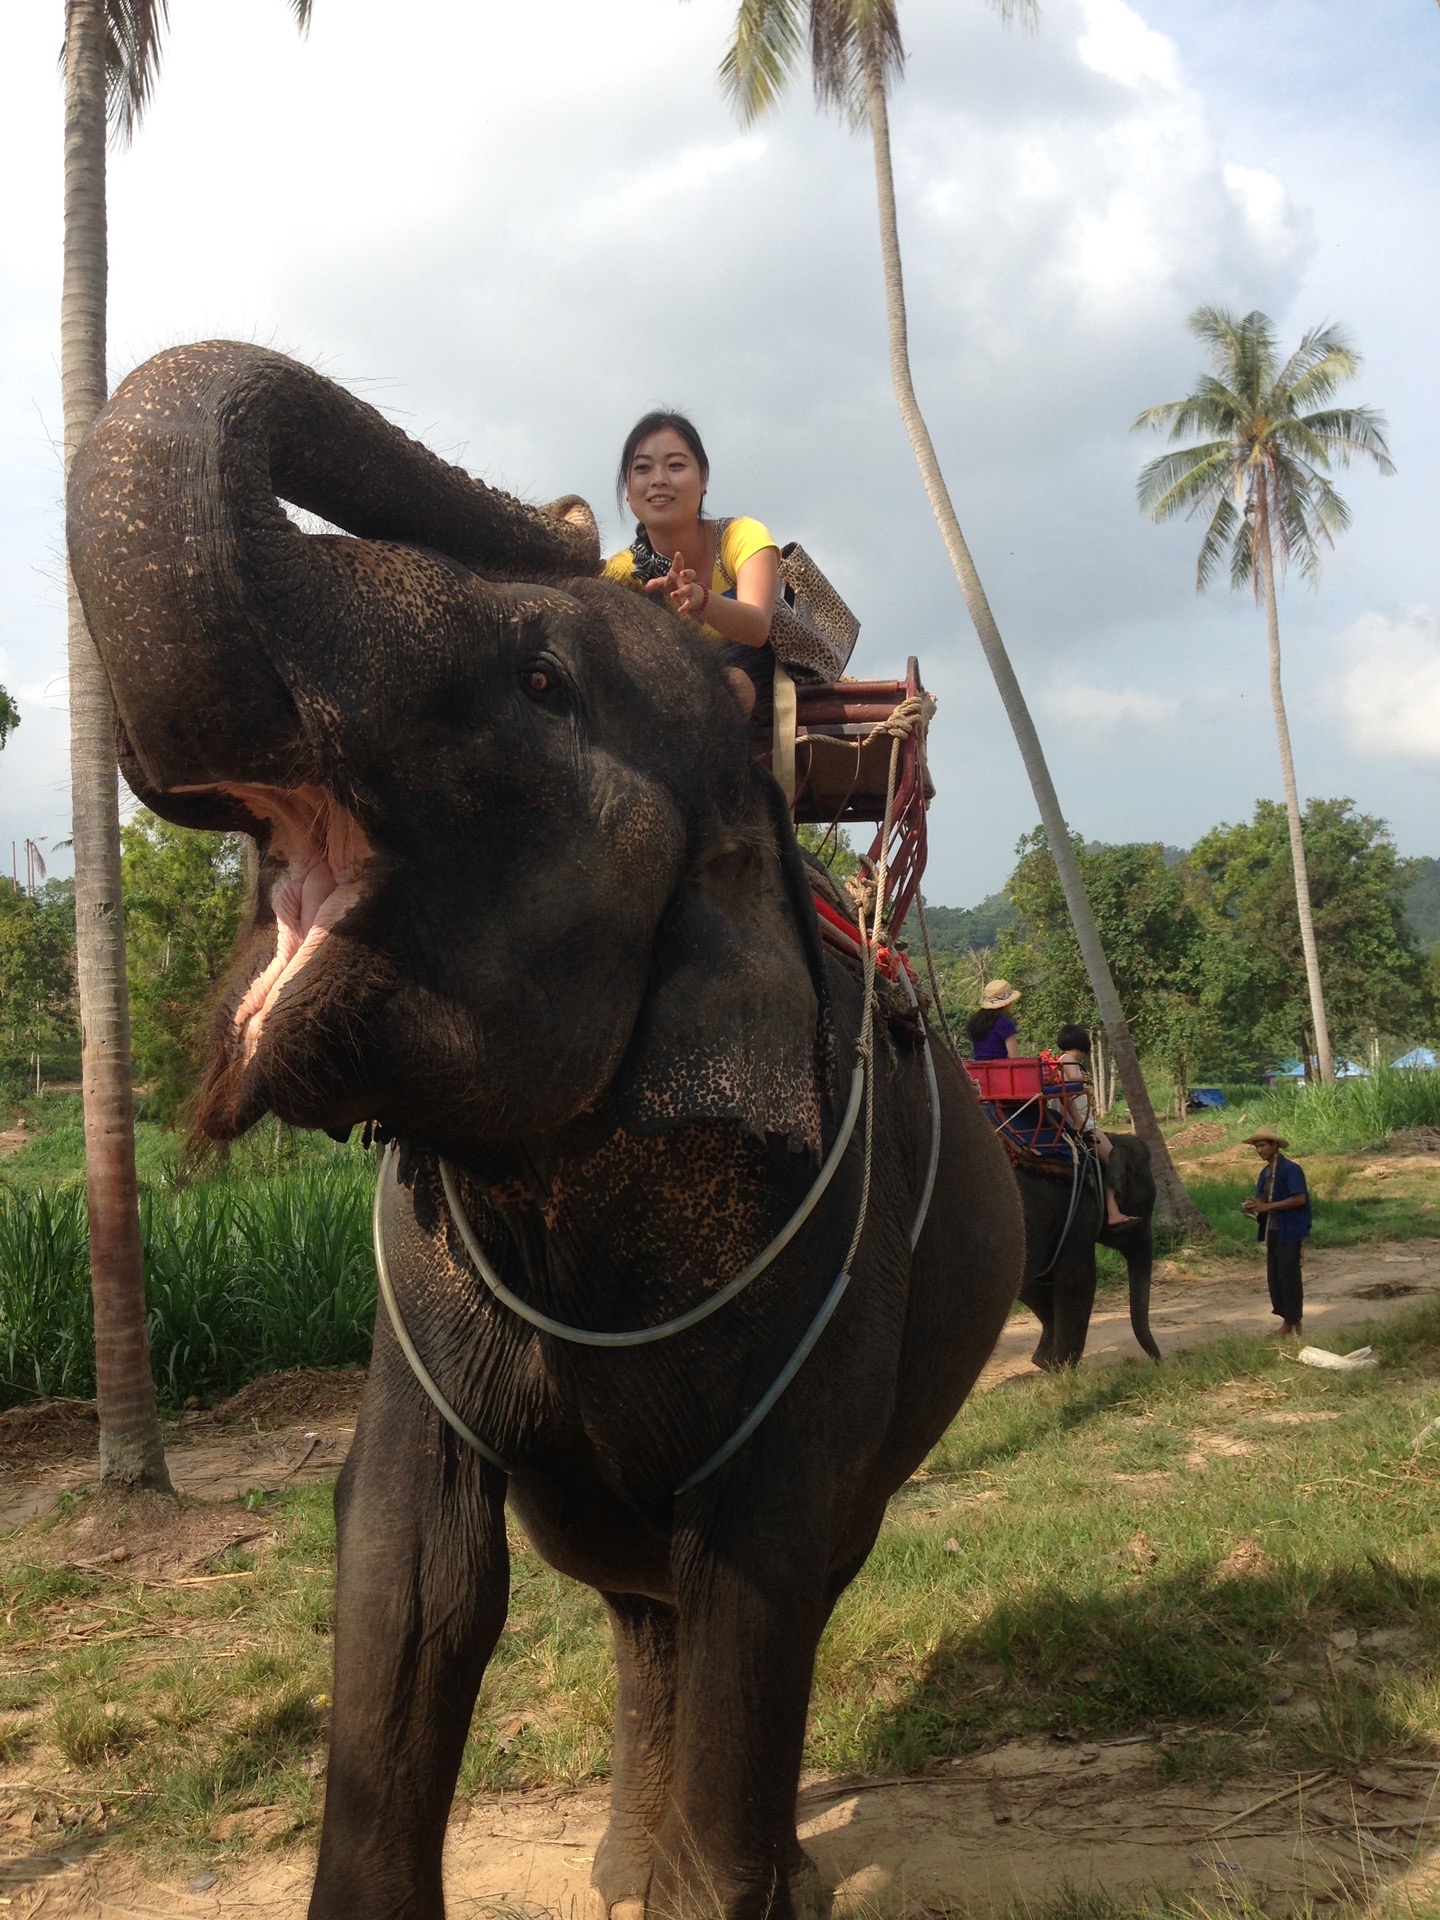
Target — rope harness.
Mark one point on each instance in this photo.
(910, 715)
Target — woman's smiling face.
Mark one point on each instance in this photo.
(666, 483)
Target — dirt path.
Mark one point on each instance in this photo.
(1343, 1286)
(1011, 1824)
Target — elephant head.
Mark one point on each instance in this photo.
(516, 861)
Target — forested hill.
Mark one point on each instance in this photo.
(1422, 902)
(962, 929)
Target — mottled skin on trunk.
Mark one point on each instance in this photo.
(131, 1451)
(1064, 1298)
(1176, 1210)
(581, 961)
(1265, 562)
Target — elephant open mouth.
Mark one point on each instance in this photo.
(324, 850)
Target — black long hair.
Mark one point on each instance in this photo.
(981, 1021)
(656, 422)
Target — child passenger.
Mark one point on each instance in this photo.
(1072, 1054)
(723, 573)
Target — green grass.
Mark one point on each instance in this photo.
(1348, 1116)
(1346, 1220)
(243, 1275)
(1081, 1600)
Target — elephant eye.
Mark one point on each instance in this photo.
(538, 681)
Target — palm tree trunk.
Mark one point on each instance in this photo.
(131, 1451)
(1266, 559)
(1174, 1207)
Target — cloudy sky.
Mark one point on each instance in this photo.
(514, 229)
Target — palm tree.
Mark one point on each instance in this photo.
(855, 53)
(1262, 475)
(111, 58)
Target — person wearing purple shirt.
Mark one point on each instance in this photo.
(993, 1034)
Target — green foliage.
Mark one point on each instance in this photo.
(1206, 951)
(9, 716)
(1350, 1115)
(37, 976)
(1272, 435)
(1253, 966)
(183, 895)
(1150, 930)
(1421, 899)
(241, 1278)
(833, 847)
(962, 930)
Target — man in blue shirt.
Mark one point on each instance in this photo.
(1282, 1207)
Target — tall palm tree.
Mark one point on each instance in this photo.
(1262, 475)
(111, 59)
(855, 53)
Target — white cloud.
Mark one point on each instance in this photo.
(1389, 694)
(1117, 43)
(1078, 703)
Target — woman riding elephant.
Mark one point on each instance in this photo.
(723, 573)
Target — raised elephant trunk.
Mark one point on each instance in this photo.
(214, 614)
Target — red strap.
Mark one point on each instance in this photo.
(888, 960)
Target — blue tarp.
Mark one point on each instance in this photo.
(1419, 1057)
(1205, 1097)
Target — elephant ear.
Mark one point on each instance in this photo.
(736, 1024)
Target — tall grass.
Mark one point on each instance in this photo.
(1350, 1114)
(241, 1277)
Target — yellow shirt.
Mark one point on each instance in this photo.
(742, 539)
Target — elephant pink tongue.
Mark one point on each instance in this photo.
(324, 849)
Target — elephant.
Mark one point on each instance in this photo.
(1059, 1284)
(529, 906)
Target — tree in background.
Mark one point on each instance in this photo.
(1253, 960)
(183, 895)
(1262, 476)
(111, 60)
(855, 52)
(37, 977)
(9, 716)
(832, 847)
(1152, 933)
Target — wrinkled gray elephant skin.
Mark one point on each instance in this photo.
(527, 902)
(1059, 1287)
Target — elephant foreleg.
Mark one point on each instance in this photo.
(645, 1634)
(750, 1621)
(1074, 1303)
(421, 1599)
(1039, 1297)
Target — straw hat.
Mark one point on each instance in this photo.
(1264, 1133)
(1000, 993)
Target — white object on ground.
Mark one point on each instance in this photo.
(1339, 1362)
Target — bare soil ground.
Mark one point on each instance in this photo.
(1192, 1304)
(1018, 1821)
(1013, 1824)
